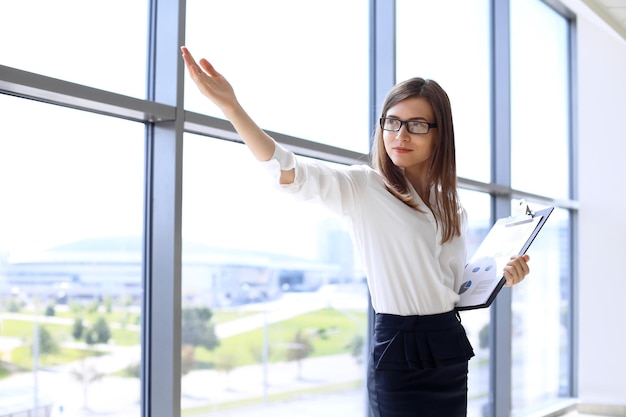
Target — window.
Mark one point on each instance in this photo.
(541, 312)
(477, 322)
(429, 46)
(274, 299)
(101, 44)
(540, 98)
(299, 68)
(70, 260)
(540, 120)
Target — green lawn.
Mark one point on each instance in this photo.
(63, 332)
(329, 330)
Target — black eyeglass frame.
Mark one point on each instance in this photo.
(406, 122)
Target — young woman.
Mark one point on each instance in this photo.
(408, 224)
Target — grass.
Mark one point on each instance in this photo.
(63, 332)
(329, 330)
(23, 356)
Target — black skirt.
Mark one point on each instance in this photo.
(418, 366)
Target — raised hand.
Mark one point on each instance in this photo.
(210, 82)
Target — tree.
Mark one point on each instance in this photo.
(256, 350)
(101, 330)
(356, 347)
(15, 305)
(300, 348)
(91, 338)
(93, 307)
(50, 312)
(48, 345)
(108, 304)
(78, 329)
(197, 328)
(86, 374)
(188, 359)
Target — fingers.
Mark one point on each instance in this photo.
(210, 82)
(516, 270)
(206, 65)
(194, 68)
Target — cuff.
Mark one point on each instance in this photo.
(285, 158)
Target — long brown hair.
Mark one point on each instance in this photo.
(441, 176)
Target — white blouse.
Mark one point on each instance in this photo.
(408, 271)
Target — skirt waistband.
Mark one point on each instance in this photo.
(417, 323)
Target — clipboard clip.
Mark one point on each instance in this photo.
(521, 214)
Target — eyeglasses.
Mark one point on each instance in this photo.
(413, 126)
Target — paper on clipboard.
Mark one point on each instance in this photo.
(483, 275)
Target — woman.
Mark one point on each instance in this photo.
(407, 223)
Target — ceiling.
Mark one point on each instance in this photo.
(611, 11)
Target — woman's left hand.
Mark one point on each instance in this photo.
(516, 269)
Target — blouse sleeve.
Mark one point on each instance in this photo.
(337, 188)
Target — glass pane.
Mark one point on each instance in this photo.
(70, 261)
(299, 68)
(98, 43)
(476, 322)
(541, 328)
(452, 48)
(274, 298)
(539, 100)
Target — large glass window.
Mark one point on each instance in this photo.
(70, 261)
(448, 41)
(540, 116)
(541, 312)
(540, 120)
(274, 299)
(476, 322)
(299, 68)
(98, 43)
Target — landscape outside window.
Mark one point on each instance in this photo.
(70, 261)
(283, 288)
(280, 279)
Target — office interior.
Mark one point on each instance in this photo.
(149, 268)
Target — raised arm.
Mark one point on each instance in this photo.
(214, 86)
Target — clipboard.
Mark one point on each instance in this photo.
(483, 276)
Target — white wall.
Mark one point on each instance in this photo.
(601, 108)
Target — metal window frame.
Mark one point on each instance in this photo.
(161, 341)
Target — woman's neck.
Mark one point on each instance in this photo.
(420, 184)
